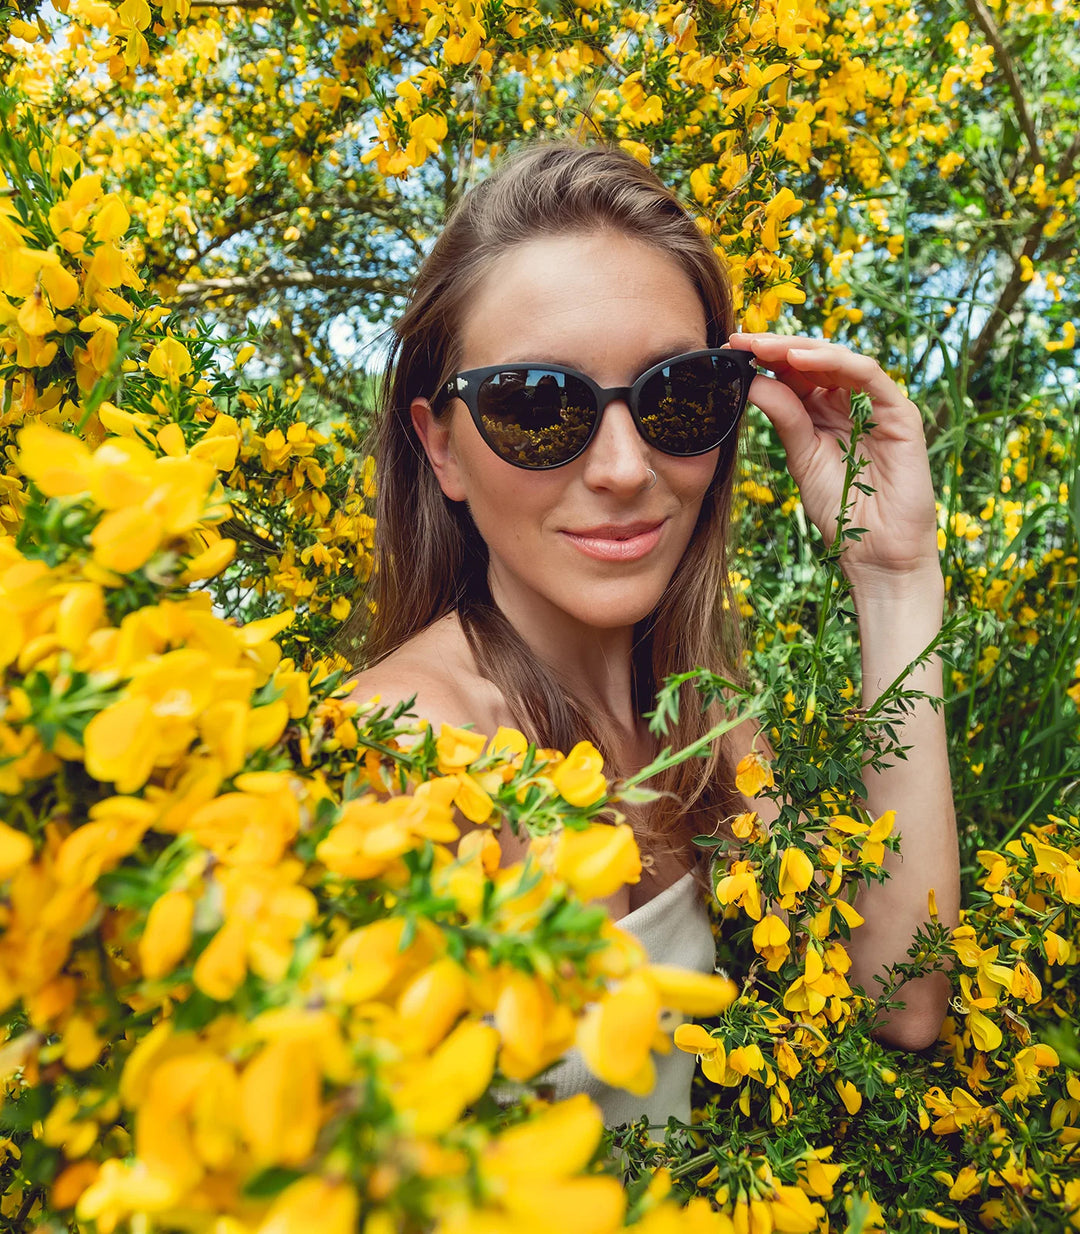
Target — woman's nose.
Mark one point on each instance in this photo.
(618, 456)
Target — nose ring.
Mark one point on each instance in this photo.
(653, 474)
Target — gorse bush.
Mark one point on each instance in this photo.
(252, 977)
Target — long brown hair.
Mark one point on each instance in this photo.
(431, 560)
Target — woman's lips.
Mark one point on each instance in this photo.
(607, 548)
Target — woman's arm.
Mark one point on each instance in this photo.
(896, 623)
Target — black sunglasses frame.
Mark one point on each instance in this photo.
(466, 386)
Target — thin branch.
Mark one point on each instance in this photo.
(274, 280)
(985, 19)
(1015, 285)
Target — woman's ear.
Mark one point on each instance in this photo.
(434, 436)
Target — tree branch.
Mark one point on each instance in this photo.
(986, 20)
(1014, 286)
(274, 280)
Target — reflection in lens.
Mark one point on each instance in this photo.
(689, 407)
(535, 417)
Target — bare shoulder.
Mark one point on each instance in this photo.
(437, 667)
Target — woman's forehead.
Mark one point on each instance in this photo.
(559, 298)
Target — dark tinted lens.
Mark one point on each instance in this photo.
(690, 406)
(535, 417)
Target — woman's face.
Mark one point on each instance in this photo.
(609, 306)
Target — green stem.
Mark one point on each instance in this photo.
(666, 759)
(690, 1165)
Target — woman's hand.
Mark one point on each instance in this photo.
(808, 402)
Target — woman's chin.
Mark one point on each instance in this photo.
(614, 612)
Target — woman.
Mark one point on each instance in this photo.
(555, 462)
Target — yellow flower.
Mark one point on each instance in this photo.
(58, 463)
(745, 825)
(599, 860)
(753, 774)
(579, 777)
(936, 1219)
(210, 562)
(167, 935)
(280, 1105)
(366, 961)
(117, 826)
(711, 1052)
(819, 983)
(252, 826)
(35, 316)
(535, 1029)
(694, 993)
(472, 800)
(81, 611)
(371, 834)
(796, 874)
(793, 1212)
(786, 1059)
(873, 850)
(616, 1035)
(740, 886)
(985, 1034)
(1058, 949)
(432, 1098)
(124, 540)
(770, 939)
(16, 849)
(81, 1044)
(508, 742)
(531, 1172)
(169, 360)
(639, 151)
(112, 219)
(71, 1182)
(849, 1095)
(456, 748)
(121, 1189)
(188, 1120)
(222, 965)
(1066, 343)
(781, 207)
(430, 1004)
(335, 1202)
(557, 1143)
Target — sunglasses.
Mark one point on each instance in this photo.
(539, 416)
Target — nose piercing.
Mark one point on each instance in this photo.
(653, 474)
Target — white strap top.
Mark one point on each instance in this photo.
(674, 929)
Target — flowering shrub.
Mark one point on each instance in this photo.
(252, 975)
(285, 165)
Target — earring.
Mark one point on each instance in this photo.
(653, 474)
